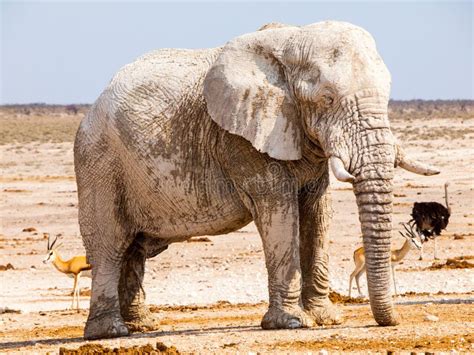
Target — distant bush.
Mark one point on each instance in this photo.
(399, 110)
(40, 109)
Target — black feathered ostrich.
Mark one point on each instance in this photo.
(430, 218)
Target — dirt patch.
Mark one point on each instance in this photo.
(455, 263)
(83, 292)
(7, 267)
(399, 195)
(9, 310)
(416, 186)
(44, 332)
(464, 257)
(96, 348)
(33, 178)
(387, 345)
(219, 305)
(199, 240)
(461, 236)
(29, 229)
(343, 299)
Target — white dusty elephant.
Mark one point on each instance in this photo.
(185, 143)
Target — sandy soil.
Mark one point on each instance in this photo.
(38, 195)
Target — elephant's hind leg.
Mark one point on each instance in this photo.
(105, 320)
(315, 215)
(106, 238)
(131, 293)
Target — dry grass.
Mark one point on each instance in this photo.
(425, 109)
(25, 129)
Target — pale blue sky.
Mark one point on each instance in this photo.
(66, 52)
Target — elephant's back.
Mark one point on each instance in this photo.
(159, 78)
(144, 97)
(166, 63)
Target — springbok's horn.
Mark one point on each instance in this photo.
(55, 239)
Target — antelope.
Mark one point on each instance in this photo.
(411, 242)
(430, 218)
(75, 267)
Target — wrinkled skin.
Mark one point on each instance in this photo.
(201, 142)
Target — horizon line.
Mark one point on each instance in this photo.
(91, 103)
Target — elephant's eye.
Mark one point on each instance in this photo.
(314, 80)
(328, 100)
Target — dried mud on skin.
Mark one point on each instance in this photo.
(95, 348)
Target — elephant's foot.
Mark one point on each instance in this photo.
(277, 318)
(324, 312)
(142, 321)
(108, 325)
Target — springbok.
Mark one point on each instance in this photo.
(75, 267)
(411, 242)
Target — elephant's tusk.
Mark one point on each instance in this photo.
(412, 165)
(339, 171)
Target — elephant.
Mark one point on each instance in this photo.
(183, 143)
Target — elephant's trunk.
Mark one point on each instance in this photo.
(373, 189)
(374, 198)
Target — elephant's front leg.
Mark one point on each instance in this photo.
(315, 215)
(277, 221)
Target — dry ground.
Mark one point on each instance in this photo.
(38, 195)
(235, 328)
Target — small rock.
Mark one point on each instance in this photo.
(431, 318)
(29, 229)
(8, 310)
(6, 267)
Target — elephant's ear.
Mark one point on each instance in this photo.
(247, 94)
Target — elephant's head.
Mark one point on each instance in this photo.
(323, 82)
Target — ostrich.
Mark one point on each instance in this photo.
(430, 218)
